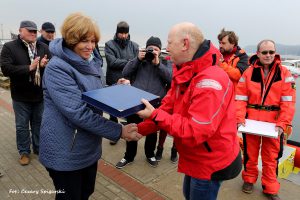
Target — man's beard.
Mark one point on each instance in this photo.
(223, 51)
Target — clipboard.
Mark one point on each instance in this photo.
(265, 129)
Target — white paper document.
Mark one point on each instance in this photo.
(265, 129)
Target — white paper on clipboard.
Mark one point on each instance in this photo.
(255, 127)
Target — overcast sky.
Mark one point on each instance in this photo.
(251, 20)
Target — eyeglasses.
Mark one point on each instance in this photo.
(271, 52)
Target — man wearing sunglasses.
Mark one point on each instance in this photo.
(23, 60)
(47, 33)
(265, 92)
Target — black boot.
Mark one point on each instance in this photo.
(174, 157)
(159, 152)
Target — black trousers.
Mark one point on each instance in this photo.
(131, 147)
(75, 185)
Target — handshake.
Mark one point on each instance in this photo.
(130, 133)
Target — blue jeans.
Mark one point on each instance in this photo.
(199, 189)
(28, 114)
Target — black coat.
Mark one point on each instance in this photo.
(15, 63)
(117, 57)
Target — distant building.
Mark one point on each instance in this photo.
(13, 36)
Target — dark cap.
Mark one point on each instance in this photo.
(29, 25)
(48, 27)
(122, 27)
(155, 41)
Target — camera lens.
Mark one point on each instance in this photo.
(149, 56)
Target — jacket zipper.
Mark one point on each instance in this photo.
(207, 147)
(73, 141)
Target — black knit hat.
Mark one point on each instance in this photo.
(122, 27)
(155, 41)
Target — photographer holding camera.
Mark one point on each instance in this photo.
(149, 73)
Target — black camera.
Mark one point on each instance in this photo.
(149, 56)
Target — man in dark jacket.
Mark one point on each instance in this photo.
(47, 33)
(152, 74)
(118, 52)
(23, 60)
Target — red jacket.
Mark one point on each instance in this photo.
(274, 91)
(198, 111)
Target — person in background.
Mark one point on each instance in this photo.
(72, 131)
(234, 60)
(118, 52)
(162, 138)
(47, 33)
(197, 112)
(265, 92)
(23, 60)
(150, 74)
(160, 148)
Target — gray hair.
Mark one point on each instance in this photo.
(264, 41)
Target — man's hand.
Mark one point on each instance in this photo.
(155, 61)
(280, 131)
(240, 124)
(44, 61)
(34, 64)
(142, 53)
(123, 81)
(146, 113)
(129, 133)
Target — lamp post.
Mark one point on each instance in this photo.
(1, 31)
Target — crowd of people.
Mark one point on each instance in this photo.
(201, 87)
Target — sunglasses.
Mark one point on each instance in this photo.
(266, 52)
(32, 31)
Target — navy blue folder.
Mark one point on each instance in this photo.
(119, 100)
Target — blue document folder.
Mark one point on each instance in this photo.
(119, 100)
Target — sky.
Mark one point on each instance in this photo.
(251, 20)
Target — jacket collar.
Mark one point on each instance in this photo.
(122, 43)
(91, 67)
(21, 42)
(206, 56)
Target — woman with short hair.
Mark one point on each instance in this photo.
(72, 131)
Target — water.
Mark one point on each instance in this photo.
(296, 121)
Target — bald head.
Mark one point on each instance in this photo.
(190, 31)
(184, 40)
